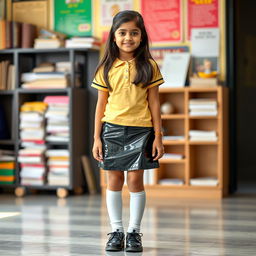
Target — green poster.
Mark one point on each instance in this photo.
(73, 17)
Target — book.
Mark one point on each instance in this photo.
(48, 43)
(28, 32)
(31, 76)
(2, 34)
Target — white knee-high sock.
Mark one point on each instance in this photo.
(137, 206)
(114, 206)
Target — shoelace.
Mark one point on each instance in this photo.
(115, 234)
(136, 237)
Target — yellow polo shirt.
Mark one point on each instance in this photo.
(127, 103)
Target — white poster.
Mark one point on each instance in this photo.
(175, 68)
(205, 42)
(109, 8)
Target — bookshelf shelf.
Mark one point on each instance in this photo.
(174, 161)
(201, 158)
(176, 116)
(203, 117)
(83, 63)
(173, 142)
(203, 142)
(7, 142)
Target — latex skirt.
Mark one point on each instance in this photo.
(127, 148)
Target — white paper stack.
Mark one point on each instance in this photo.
(203, 107)
(204, 181)
(172, 156)
(58, 164)
(83, 42)
(198, 135)
(178, 137)
(171, 181)
(57, 116)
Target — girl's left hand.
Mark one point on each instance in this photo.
(157, 148)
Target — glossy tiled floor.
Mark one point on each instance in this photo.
(44, 225)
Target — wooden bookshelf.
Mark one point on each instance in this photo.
(201, 158)
(79, 109)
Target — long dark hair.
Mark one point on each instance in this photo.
(142, 54)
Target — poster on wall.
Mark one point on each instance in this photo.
(158, 53)
(205, 43)
(202, 14)
(73, 17)
(163, 20)
(109, 8)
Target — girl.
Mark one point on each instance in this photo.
(127, 134)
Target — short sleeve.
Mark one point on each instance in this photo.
(157, 76)
(99, 82)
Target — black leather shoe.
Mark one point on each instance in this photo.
(116, 241)
(133, 242)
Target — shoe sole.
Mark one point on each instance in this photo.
(111, 249)
(133, 249)
(114, 249)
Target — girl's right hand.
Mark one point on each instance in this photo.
(97, 150)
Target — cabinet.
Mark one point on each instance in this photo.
(80, 129)
(201, 158)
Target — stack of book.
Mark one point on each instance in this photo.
(83, 42)
(171, 181)
(32, 135)
(43, 80)
(7, 76)
(58, 164)
(198, 135)
(7, 167)
(32, 164)
(174, 137)
(49, 39)
(57, 116)
(204, 181)
(203, 107)
(172, 156)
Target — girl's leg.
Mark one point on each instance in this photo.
(137, 199)
(115, 181)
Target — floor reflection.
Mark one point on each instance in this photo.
(79, 225)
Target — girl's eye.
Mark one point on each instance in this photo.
(122, 33)
(134, 33)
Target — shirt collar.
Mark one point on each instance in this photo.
(119, 62)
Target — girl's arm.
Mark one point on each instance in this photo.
(154, 106)
(99, 113)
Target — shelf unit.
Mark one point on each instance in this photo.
(201, 158)
(80, 128)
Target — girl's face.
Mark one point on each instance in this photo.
(127, 38)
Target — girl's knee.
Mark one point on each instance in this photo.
(115, 180)
(135, 181)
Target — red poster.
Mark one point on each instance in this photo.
(202, 14)
(162, 19)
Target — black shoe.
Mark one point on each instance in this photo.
(116, 241)
(133, 242)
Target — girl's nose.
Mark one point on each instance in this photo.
(128, 36)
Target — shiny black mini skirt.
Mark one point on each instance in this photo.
(127, 148)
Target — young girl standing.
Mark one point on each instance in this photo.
(127, 134)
